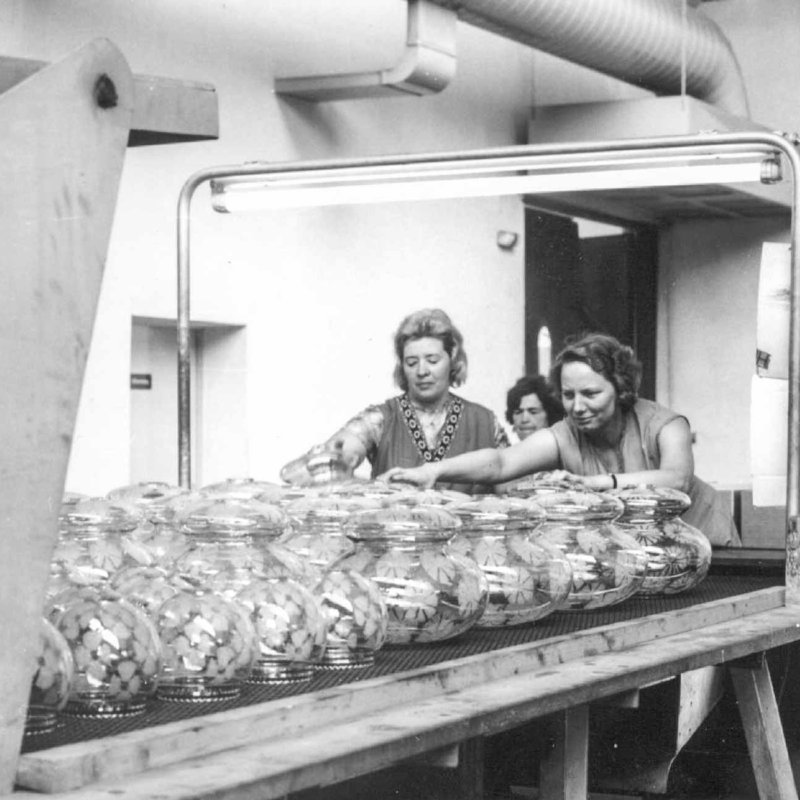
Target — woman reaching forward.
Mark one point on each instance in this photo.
(427, 421)
(610, 438)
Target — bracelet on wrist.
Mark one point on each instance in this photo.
(614, 481)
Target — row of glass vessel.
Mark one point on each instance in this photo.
(157, 591)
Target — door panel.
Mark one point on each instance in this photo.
(575, 286)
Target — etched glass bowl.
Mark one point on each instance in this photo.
(608, 564)
(244, 489)
(355, 617)
(156, 540)
(51, 681)
(208, 647)
(317, 528)
(90, 548)
(528, 579)
(678, 554)
(116, 650)
(228, 541)
(290, 629)
(431, 592)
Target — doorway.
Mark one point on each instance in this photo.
(582, 276)
(218, 396)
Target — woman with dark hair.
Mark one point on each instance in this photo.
(425, 423)
(532, 405)
(610, 438)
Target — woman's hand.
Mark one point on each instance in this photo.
(424, 476)
(598, 483)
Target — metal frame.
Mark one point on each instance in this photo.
(552, 155)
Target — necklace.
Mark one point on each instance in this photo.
(431, 420)
(432, 436)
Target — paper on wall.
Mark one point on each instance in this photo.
(772, 320)
(769, 423)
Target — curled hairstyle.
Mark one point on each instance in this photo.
(538, 385)
(433, 323)
(615, 361)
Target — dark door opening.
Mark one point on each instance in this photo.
(579, 283)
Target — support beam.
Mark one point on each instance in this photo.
(563, 773)
(63, 134)
(763, 729)
(165, 110)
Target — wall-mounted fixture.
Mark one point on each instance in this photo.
(427, 66)
(507, 240)
(516, 174)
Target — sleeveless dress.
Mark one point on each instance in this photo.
(468, 426)
(638, 450)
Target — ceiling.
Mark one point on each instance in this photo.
(662, 205)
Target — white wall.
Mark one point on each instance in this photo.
(320, 292)
(708, 291)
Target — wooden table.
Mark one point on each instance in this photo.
(272, 749)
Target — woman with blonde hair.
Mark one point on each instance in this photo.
(427, 422)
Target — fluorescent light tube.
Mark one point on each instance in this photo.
(298, 190)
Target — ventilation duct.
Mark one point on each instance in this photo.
(658, 45)
(428, 64)
(655, 44)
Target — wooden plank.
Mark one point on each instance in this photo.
(564, 772)
(645, 747)
(700, 691)
(763, 731)
(70, 766)
(471, 761)
(334, 750)
(165, 109)
(63, 134)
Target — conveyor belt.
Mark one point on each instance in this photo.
(400, 659)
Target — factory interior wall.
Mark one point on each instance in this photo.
(303, 304)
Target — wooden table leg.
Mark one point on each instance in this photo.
(763, 729)
(471, 769)
(563, 772)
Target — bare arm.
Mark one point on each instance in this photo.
(537, 452)
(675, 469)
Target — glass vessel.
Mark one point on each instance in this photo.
(608, 564)
(528, 579)
(539, 483)
(229, 542)
(316, 533)
(352, 605)
(355, 617)
(148, 587)
(153, 498)
(89, 549)
(245, 489)
(320, 466)
(290, 629)
(116, 651)
(208, 647)
(55, 668)
(156, 540)
(429, 497)
(381, 492)
(678, 554)
(431, 592)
